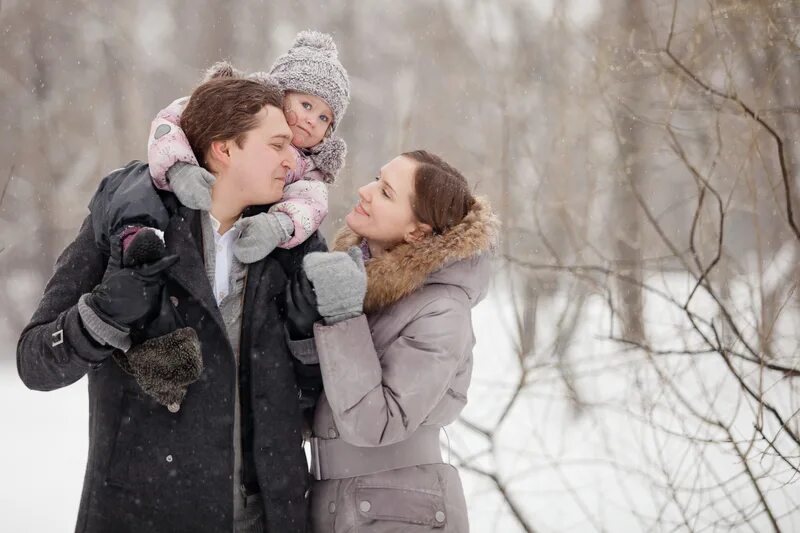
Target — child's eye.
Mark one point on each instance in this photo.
(324, 118)
(306, 105)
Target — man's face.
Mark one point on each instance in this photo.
(258, 168)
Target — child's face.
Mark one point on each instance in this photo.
(308, 116)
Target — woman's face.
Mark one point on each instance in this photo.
(383, 214)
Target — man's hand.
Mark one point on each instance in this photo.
(129, 297)
(301, 307)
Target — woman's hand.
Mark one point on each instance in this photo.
(340, 283)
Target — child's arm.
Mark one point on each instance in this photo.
(305, 202)
(287, 224)
(167, 143)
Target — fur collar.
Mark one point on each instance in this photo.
(404, 269)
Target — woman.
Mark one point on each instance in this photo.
(396, 373)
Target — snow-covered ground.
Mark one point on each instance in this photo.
(566, 470)
(44, 441)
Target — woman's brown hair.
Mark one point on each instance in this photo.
(441, 193)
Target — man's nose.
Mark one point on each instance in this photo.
(289, 161)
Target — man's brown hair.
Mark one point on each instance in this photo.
(223, 109)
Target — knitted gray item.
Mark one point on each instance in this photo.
(312, 66)
(260, 234)
(100, 330)
(165, 366)
(191, 184)
(222, 69)
(328, 156)
(340, 283)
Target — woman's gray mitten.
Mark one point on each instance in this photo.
(328, 156)
(340, 283)
(191, 184)
(260, 234)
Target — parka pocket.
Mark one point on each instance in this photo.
(394, 506)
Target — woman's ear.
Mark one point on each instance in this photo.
(421, 231)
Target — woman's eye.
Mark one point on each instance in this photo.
(386, 194)
(306, 105)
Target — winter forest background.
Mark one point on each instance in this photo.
(637, 364)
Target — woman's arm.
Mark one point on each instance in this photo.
(375, 401)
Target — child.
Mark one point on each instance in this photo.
(317, 92)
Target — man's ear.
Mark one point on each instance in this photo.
(420, 231)
(219, 154)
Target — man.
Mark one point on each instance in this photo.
(227, 455)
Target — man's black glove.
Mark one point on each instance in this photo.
(129, 297)
(301, 307)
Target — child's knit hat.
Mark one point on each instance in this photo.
(312, 66)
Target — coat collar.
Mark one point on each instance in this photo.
(183, 238)
(404, 269)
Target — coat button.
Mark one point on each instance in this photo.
(332, 507)
(439, 516)
(332, 433)
(169, 458)
(365, 506)
(174, 407)
(174, 300)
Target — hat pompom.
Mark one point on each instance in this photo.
(328, 156)
(222, 69)
(315, 39)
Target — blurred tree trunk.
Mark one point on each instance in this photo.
(624, 207)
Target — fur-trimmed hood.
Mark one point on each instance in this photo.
(461, 256)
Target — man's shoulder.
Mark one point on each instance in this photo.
(133, 172)
(126, 196)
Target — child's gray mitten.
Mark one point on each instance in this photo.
(340, 283)
(191, 184)
(260, 234)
